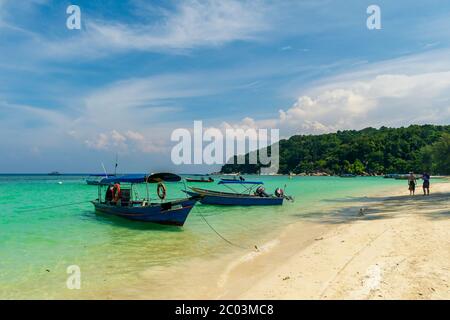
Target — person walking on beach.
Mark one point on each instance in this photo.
(412, 183)
(426, 184)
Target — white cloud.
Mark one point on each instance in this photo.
(125, 115)
(397, 92)
(129, 141)
(245, 124)
(8, 8)
(101, 142)
(191, 24)
(327, 111)
(385, 99)
(42, 116)
(119, 117)
(31, 127)
(194, 23)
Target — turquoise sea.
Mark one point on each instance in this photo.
(48, 224)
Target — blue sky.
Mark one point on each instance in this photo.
(71, 99)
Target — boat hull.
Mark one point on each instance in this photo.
(229, 200)
(199, 180)
(168, 213)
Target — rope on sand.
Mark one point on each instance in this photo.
(201, 215)
(225, 239)
(54, 207)
(349, 261)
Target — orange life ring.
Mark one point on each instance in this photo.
(161, 191)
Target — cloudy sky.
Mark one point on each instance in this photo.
(137, 70)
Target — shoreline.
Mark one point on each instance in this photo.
(299, 257)
(397, 250)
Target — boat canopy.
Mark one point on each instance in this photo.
(141, 178)
(102, 175)
(240, 182)
(164, 176)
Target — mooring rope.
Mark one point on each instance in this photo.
(54, 207)
(201, 215)
(225, 239)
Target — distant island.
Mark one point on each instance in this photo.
(417, 148)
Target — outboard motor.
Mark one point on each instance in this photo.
(260, 191)
(279, 193)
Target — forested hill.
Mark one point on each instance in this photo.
(415, 148)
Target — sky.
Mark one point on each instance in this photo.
(137, 70)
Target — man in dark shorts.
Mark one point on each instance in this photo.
(411, 183)
(426, 184)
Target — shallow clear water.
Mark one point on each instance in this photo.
(38, 243)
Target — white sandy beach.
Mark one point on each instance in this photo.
(399, 249)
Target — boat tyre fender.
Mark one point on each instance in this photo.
(162, 191)
(279, 192)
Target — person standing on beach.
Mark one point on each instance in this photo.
(412, 183)
(426, 184)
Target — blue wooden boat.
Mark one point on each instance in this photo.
(233, 199)
(171, 213)
(250, 197)
(200, 180)
(174, 212)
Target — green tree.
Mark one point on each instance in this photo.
(385, 150)
(441, 154)
(357, 167)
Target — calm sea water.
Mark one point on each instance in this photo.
(38, 241)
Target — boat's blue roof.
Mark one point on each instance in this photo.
(240, 182)
(163, 176)
(128, 178)
(141, 178)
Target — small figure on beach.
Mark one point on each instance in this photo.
(412, 183)
(426, 184)
(361, 212)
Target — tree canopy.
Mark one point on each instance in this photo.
(417, 148)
